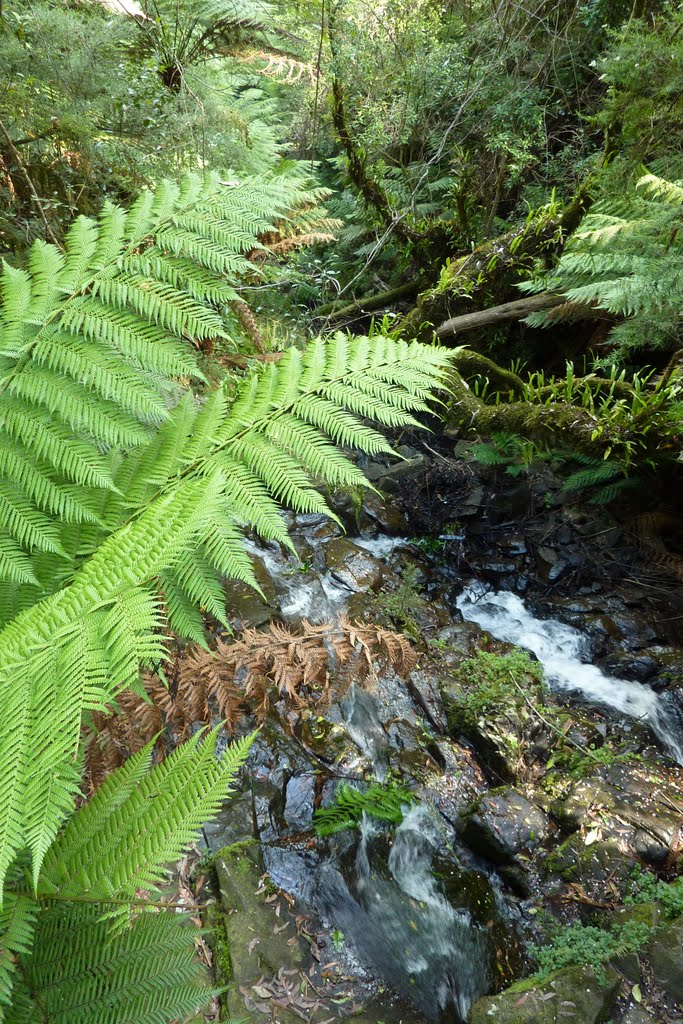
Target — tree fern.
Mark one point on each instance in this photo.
(627, 259)
(80, 973)
(122, 507)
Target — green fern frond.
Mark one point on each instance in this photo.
(79, 972)
(105, 857)
(387, 803)
(95, 339)
(598, 473)
(626, 259)
(17, 924)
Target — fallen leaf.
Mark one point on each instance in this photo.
(261, 992)
(637, 994)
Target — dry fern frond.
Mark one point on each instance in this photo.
(287, 245)
(249, 674)
(277, 65)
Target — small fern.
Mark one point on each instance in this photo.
(387, 803)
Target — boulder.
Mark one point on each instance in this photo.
(503, 824)
(665, 956)
(573, 995)
(352, 566)
(635, 806)
(593, 864)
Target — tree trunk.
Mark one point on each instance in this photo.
(495, 267)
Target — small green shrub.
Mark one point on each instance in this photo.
(579, 944)
(489, 680)
(644, 887)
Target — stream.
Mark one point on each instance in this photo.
(562, 651)
(386, 896)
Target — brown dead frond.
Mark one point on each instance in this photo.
(278, 65)
(287, 245)
(248, 674)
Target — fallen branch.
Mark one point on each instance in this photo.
(516, 310)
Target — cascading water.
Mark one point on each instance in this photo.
(430, 953)
(560, 649)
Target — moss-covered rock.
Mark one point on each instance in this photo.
(253, 942)
(665, 956)
(574, 994)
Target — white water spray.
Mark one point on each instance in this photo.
(560, 649)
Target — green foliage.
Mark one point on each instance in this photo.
(79, 972)
(578, 944)
(490, 680)
(516, 453)
(67, 925)
(124, 500)
(401, 606)
(94, 342)
(627, 259)
(644, 887)
(387, 803)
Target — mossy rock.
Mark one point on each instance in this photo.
(249, 947)
(575, 861)
(665, 956)
(573, 994)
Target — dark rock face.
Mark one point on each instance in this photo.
(503, 824)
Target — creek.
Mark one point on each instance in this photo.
(403, 924)
(563, 652)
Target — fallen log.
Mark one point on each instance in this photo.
(368, 303)
(516, 310)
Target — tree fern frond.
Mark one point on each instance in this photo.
(167, 808)
(81, 973)
(17, 924)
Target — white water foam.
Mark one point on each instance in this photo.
(561, 649)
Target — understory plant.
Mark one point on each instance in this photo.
(579, 944)
(123, 501)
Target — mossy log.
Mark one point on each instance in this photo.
(334, 311)
(492, 269)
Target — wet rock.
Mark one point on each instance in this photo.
(233, 824)
(503, 733)
(385, 513)
(299, 797)
(245, 606)
(577, 994)
(291, 868)
(665, 956)
(549, 563)
(424, 687)
(386, 477)
(327, 741)
(503, 824)
(352, 566)
(457, 785)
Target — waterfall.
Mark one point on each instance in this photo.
(404, 928)
(561, 649)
